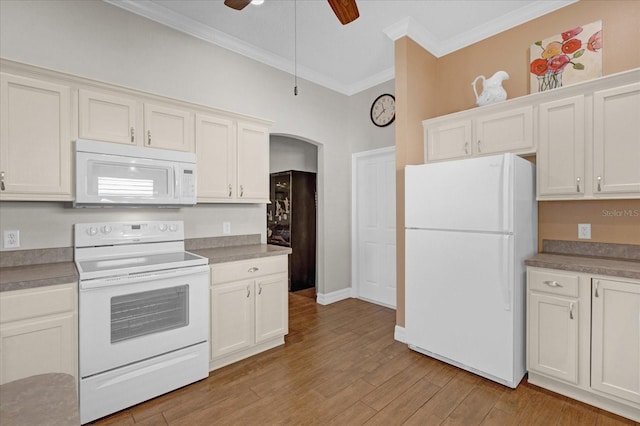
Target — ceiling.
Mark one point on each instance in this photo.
(349, 58)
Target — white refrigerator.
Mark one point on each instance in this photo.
(469, 226)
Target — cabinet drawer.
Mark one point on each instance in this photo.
(247, 269)
(553, 282)
(23, 304)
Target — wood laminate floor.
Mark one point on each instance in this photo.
(341, 366)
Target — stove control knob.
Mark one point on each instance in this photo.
(106, 229)
(162, 227)
(92, 230)
(173, 227)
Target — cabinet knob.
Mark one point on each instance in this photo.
(552, 283)
(599, 182)
(253, 269)
(577, 184)
(2, 181)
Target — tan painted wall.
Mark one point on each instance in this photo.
(415, 81)
(449, 90)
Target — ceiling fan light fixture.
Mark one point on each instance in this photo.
(257, 2)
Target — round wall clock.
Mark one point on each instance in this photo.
(383, 110)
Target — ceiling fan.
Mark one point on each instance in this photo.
(345, 10)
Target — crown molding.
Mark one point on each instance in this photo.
(410, 28)
(169, 18)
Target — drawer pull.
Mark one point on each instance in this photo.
(259, 289)
(2, 187)
(577, 184)
(132, 135)
(599, 182)
(230, 191)
(552, 283)
(466, 147)
(596, 288)
(479, 150)
(253, 269)
(248, 292)
(570, 310)
(148, 137)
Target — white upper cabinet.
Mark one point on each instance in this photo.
(233, 160)
(616, 141)
(116, 117)
(504, 131)
(589, 144)
(35, 139)
(109, 118)
(216, 157)
(253, 162)
(168, 127)
(561, 147)
(479, 132)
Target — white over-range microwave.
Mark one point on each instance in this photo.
(117, 175)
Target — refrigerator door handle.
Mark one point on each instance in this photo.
(505, 275)
(506, 193)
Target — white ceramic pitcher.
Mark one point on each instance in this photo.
(492, 90)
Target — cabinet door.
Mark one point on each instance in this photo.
(37, 346)
(615, 340)
(271, 307)
(553, 336)
(109, 118)
(447, 141)
(561, 148)
(506, 131)
(232, 317)
(35, 139)
(253, 163)
(616, 141)
(216, 153)
(168, 127)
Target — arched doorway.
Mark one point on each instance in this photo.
(294, 216)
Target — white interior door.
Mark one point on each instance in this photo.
(374, 226)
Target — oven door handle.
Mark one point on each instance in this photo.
(135, 278)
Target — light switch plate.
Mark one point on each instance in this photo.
(11, 239)
(584, 231)
(226, 228)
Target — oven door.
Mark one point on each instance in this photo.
(124, 320)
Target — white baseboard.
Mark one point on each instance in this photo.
(333, 297)
(400, 334)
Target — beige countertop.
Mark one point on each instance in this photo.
(243, 252)
(39, 275)
(46, 274)
(587, 265)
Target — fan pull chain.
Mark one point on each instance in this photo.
(295, 47)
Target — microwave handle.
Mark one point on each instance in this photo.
(178, 186)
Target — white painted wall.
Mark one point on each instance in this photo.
(287, 153)
(99, 41)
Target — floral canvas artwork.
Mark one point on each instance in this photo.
(574, 55)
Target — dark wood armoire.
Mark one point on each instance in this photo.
(291, 222)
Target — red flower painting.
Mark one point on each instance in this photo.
(556, 55)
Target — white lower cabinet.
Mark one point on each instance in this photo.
(249, 308)
(583, 338)
(38, 332)
(615, 338)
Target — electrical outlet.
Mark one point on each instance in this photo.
(584, 231)
(12, 239)
(226, 228)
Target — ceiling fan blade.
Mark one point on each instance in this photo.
(237, 4)
(345, 10)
